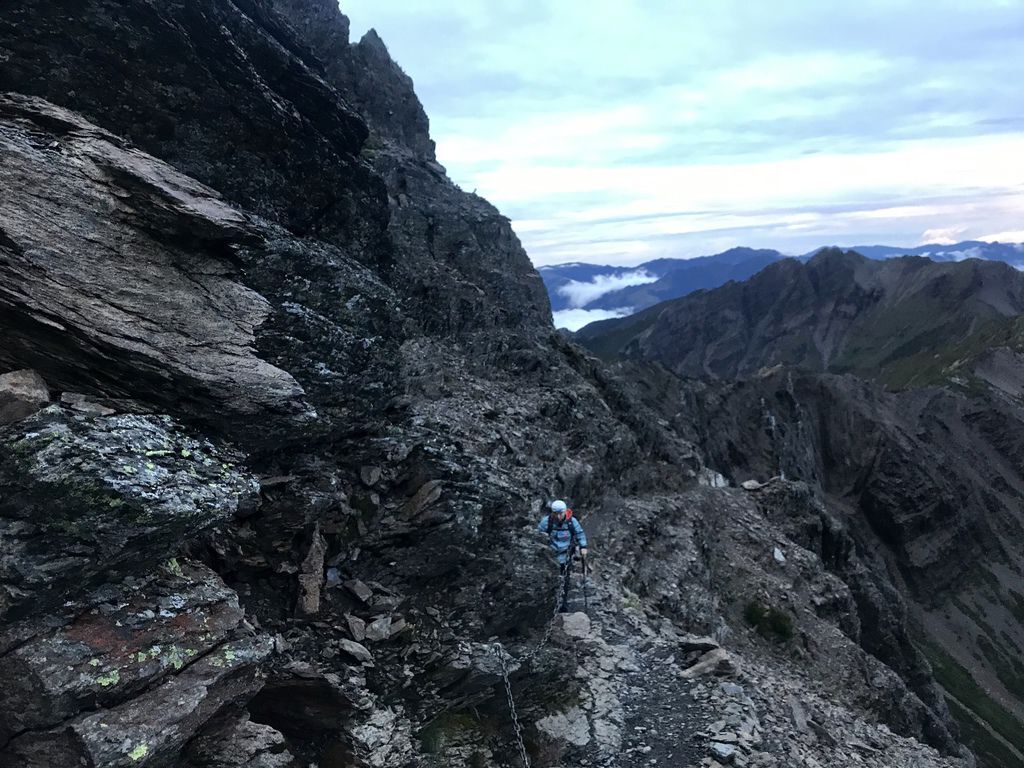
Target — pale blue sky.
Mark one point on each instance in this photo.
(620, 131)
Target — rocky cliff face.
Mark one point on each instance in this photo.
(923, 484)
(268, 498)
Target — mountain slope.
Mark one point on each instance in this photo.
(904, 322)
(926, 479)
(593, 287)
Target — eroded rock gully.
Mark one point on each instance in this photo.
(306, 401)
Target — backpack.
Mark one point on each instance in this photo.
(552, 522)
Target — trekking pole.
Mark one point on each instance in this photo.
(567, 577)
(586, 601)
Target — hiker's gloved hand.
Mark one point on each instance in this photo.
(583, 553)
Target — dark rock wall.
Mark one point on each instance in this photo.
(217, 89)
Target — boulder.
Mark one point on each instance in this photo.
(150, 729)
(713, 662)
(22, 393)
(131, 638)
(238, 742)
(82, 495)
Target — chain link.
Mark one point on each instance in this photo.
(500, 653)
(560, 593)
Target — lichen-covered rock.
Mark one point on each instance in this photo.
(82, 495)
(152, 728)
(123, 641)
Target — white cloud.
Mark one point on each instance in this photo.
(580, 293)
(942, 236)
(574, 319)
(1012, 236)
(967, 253)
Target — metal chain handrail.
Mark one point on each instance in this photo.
(500, 652)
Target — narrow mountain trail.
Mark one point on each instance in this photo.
(671, 736)
(650, 713)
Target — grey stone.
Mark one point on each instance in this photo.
(723, 752)
(83, 404)
(712, 662)
(573, 626)
(370, 476)
(311, 577)
(356, 650)
(688, 643)
(359, 589)
(356, 626)
(22, 393)
(379, 630)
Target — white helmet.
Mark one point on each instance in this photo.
(558, 506)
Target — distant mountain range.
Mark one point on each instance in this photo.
(582, 293)
(904, 321)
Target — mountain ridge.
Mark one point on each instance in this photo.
(665, 279)
(838, 312)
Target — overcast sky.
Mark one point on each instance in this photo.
(615, 131)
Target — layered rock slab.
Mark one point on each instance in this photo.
(116, 272)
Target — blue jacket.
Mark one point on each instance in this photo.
(561, 534)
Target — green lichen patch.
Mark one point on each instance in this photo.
(111, 678)
(175, 658)
(139, 752)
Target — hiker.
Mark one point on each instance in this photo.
(565, 534)
(563, 530)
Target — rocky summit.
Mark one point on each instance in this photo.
(281, 407)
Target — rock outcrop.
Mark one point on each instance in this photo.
(22, 393)
(923, 483)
